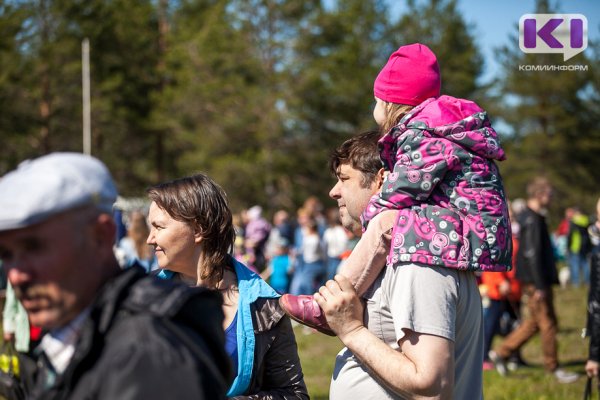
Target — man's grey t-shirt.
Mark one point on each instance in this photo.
(425, 299)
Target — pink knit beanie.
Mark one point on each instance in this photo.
(411, 76)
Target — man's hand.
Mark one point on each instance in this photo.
(341, 305)
(591, 368)
(9, 337)
(423, 368)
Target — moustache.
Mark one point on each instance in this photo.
(28, 291)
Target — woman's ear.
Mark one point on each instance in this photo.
(198, 235)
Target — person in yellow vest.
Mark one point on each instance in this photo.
(578, 248)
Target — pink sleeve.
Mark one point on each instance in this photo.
(421, 164)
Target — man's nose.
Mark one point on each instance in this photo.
(18, 273)
(334, 193)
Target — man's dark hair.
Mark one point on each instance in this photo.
(361, 153)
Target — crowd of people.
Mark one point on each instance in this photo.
(295, 253)
(194, 301)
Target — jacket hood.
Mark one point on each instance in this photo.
(161, 298)
(458, 120)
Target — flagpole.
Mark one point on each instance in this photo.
(85, 72)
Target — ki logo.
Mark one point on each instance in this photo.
(553, 33)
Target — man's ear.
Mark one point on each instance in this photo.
(105, 230)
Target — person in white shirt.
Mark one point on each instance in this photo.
(421, 334)
(335, 239)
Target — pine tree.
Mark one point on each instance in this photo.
(51, 76)
(224, 103)
(15, 102)
(124, 38)
(554, 117)
(439, 25)
(337, 55)
(45, 65)
(211, 106)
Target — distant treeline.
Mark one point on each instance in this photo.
(257, 93)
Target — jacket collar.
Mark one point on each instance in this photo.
(250, 285)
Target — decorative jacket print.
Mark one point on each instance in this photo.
(448, 190)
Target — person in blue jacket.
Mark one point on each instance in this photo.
(192, 233)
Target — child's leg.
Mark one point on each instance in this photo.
(369, 256)
(362, 268)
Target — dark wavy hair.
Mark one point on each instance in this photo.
(361, 153)
(199, 201)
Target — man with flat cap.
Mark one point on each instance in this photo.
(111, 334)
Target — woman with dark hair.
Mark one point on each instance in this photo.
(193, 234)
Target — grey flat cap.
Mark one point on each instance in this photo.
(58, 182)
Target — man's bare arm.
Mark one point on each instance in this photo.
(421, 368)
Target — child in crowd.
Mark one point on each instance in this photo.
(443, 199)
(279, 267)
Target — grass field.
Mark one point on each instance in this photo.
(318, 351)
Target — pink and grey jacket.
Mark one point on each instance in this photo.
(447, 188)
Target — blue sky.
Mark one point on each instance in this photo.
(494, 21)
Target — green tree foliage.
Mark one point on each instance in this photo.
(221, 102)
(439, 24)
(338, 53)
(257, 93)
(16, 129)
(554, 118)
(124, 58)
(45, 89)
(42, 84)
